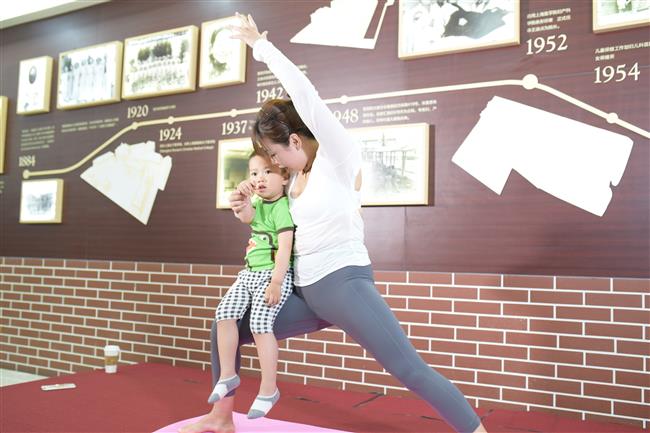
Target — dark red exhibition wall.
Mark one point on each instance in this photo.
(465, 228)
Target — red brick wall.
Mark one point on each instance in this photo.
(579, 346)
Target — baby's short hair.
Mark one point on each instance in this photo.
(263, 154)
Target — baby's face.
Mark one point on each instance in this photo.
(267, 178)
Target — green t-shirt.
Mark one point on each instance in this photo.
(271, 218)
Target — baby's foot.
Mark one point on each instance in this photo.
(223, 387)
(263, 404)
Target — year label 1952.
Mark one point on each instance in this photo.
(547, 44)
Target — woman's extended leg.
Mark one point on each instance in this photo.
(348, 299)
(295, 318)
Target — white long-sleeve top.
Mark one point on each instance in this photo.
(329, 227)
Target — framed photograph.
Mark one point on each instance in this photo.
(611, 15)
(34, 85)
(4, 107)
(395, 168)
(89, 76)
(430, 28)
(41, 201)
(223, 60)
(160, 63)
(232, 167)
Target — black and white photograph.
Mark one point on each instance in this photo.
(41, 201)
(395, 164)
(89, 76)
(34, 84)
(433, 27)
(160, 63)
(232, 167)
(609, 15)
(223, 59)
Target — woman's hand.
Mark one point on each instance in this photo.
(246, 30)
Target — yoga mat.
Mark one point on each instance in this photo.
(142, 398)
(245, 425)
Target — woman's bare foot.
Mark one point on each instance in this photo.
(219, 420)
(208, 424)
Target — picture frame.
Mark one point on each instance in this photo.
(222, 59)
(4, 109)
(34, 85)
(160, 63)
(232, 167)
(610, 15)
(89, 76)
(41, 201)
(395, 164)
(462, 25)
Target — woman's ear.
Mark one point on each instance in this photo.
(295, 141)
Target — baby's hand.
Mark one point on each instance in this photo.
(246, 188)
(238, 201)
(272, 294)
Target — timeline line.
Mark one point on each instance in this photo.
(529, 82)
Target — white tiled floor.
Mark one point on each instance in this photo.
(10, 377)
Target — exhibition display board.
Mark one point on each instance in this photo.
(505, 137)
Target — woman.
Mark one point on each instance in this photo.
(332, 271)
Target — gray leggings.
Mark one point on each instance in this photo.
(348, 299)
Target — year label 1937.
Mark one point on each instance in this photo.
(234, 128)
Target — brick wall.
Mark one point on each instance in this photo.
(579, 346)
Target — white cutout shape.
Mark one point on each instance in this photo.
(570, 160)
(342, 24)
(131, 177)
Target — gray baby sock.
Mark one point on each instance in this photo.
(223, 387)
(263, 404)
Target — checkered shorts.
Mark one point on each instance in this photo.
(248, 292)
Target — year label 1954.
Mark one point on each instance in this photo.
(618, 73)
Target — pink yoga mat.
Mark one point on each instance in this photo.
(245, 425)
